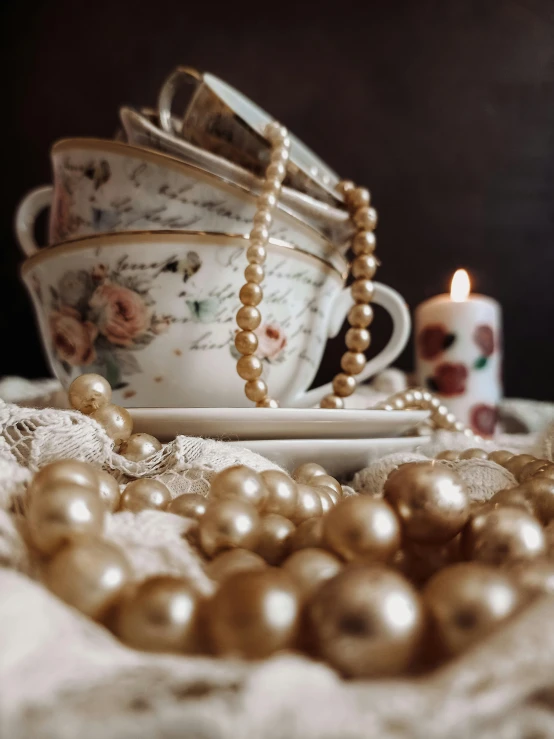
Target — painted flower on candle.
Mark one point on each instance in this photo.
(484, 338)
(433, 340)
(483, 419)
(449, 379)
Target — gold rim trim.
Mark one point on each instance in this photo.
(179, 237)
(170, 162)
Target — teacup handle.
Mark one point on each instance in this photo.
(394, 304)
(168, 92)
(26, 215)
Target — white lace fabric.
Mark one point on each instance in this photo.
(63, 676)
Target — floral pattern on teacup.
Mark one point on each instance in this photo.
(272, 342)
(100, 318)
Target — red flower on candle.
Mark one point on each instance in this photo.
(449, 379)
(433, 340)
(484, 338)
(483, 419)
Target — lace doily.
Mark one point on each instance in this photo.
(63, 676)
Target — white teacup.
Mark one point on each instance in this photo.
(109, 186)
(154, 312)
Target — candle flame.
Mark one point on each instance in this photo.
(460, 286)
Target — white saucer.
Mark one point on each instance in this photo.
(273, 423)
(341, 458)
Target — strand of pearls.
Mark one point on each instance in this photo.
(362, 269)
(249, 366)
(420, 399)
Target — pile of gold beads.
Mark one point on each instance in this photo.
(362, 269)
(375, 585)
(249, 367)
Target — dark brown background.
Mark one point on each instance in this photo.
(444, 109)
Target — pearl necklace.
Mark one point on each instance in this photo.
(362, 269)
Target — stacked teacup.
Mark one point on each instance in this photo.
(140, 279)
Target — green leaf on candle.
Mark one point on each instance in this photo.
(480, 363)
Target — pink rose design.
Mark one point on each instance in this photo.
(449, 379)
(433, 340)
(483, 419)
(119, 313)
(271, 340)
(72, 338)
(484, 338)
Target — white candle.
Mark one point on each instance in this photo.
(459, 353)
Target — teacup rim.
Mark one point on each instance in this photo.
(96, 143)
(116, 238)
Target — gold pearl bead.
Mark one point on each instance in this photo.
(240, 482)
(262, 217)
(145, 494)
(309, 568)
(260, 234)
(229, 523)
(275, 533)
(358, 198)
(248, 318)
(62, 472)
(267, 200)
(500, 456)
(139, 447)
(546, 472)
(188, 505)
(276, 170)
(430, 499)
(63, 514)
(116, 422)
(345, 186)
(364, 242)
(357, 339)
(255, 390)
(160, 615)
(366, 218)
(267, 403)
(540, 491)
(282, 493)
(503, 535)
(327, 481)
(256, 253)
(108, 488)
(474, 454)
(275, 132)
(335, 497)
(308, 534)
(232, 561)
(531, 469)
(254, 273)
(88, 393)
(448, 454)
(419, 562)
(467, 601)
(326, 501)
(332, 402)
(249, 367)
(308, 504)
(306, 472)
(534, 577)
(361, 527)
(516, 463)
(509, 497)
(353, 362)
(246, 342)
(272, 185)
(250, 294)
(344, 385)
(364, 266)
(88, 574)
(362, 291)
(360, 315)
(254, 614)
(367, 621)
